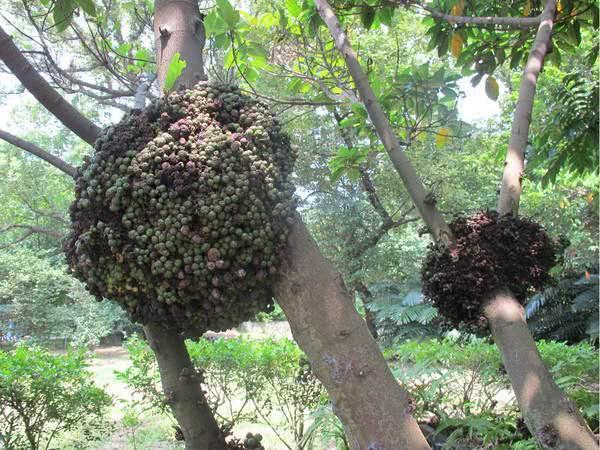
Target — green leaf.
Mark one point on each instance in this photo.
(174, 71)
(62, 14)
(142, 54)
(88, 7)
(515, 58)
(222, 41)
(367, 17)
(293, 7)
(555, 57)
(230, 15)
(214, 24)
(385, 16)
(443, 45)
(124, 48)
(337, 173)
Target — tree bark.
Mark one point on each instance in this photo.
(43, 92)
(550, 415)
(373, 408)
(37, 151)
(434, 220)
(178, 27)
(181, 386)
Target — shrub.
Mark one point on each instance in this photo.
(265, 381)
(567, 311)
(461, 388)
(43, 395)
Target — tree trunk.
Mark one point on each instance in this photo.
(549, 414)
(181, 386)
(514, 165)
(374, 409)
(178, 28)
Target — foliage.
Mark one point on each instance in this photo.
(569, 139)
(275, 315)
(174, 71)
(460, 387)
(401, 315)
(567, 311)
(42, 395)
(324, 429)
(47, 302)
(484, 49)
(266, 381)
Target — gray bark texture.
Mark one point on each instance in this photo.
(178, 28)
(374, 409)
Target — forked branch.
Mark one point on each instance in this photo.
(431, 216)
(12, 57)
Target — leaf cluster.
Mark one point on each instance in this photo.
(42, 395)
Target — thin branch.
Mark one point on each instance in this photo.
(43, 92)
(370, 242)
(510, 22)
(437, 225)
(37, 151)
(31, 230)
(141, 92)
(49, 214)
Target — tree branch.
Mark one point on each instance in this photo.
(514, 167)
(37, 151)
(510, 22)
(43, 92)
(437, 225)
(142, 89)
(31, 230)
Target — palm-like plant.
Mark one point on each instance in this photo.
(566, 312)
(401, 312)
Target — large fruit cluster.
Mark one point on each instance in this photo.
(492, 252)
(182, 213)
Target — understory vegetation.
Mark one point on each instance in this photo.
(460, 392)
